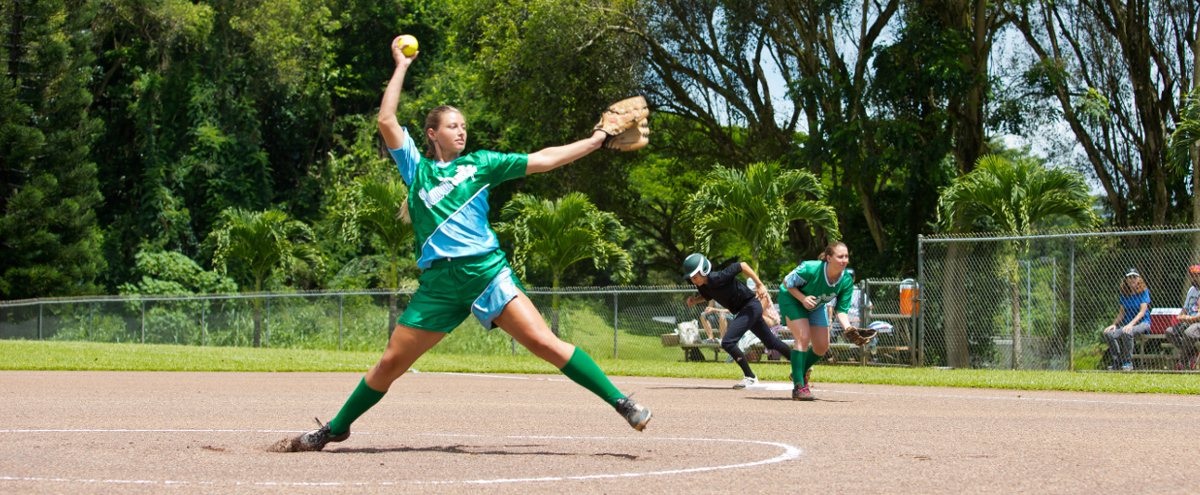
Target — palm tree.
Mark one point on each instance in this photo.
(1015, 195)
(1185, 154)
(373, 206)
(757, 205)
(560, 233)
(262, 241)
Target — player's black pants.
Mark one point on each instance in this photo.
(750, 319)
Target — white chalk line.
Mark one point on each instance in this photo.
(790, 452)
(774, 386)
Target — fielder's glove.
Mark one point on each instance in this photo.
(626, 125)
(860, 336)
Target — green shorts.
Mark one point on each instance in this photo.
(452, 290)
(793, 309)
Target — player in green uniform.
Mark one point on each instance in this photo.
(465, 272)
(803, 295)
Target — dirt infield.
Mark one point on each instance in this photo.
(128, 432)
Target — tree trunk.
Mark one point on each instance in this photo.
(1195, 154)
(554, 306)
(954, 317)
(1016, 318)
(970, 19)
(392, 297)
(257, 323)
(391, 323)
(871, 212)
(257, 313)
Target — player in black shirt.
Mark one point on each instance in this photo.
(725, 288)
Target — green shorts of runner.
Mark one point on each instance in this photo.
(451, 290)
(793, 309)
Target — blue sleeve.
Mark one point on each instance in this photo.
(406, 158)
(793, 280)
(1145, 297)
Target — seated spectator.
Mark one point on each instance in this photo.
(715, 314)
(1184, 334)
(1133, 318)
(770, 310)
(773, 319)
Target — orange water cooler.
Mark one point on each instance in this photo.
(909, 293)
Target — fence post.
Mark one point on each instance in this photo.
(1071, 332)
(615, 323)
(267, 325)
(143, 321)
(39, 321)
(341, 306)
(203, 322)
(921, 293)
(91, 319)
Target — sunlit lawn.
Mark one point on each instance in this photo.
(35, 355)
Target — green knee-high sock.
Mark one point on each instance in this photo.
(360, 400)
(810, 358)
(582, 370)
(799, 360)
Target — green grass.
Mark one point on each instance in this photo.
(34, 355)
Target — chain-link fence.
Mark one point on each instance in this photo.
(1043, 301)
(1027, 302)
(621, 322)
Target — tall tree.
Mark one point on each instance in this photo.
(49, 237)
(825, 50)
(757, 205)
(1014, 195)
(1116, 70)
(258, 243)
(559, 233)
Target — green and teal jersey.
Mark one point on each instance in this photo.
(810, 279)
(447, 201)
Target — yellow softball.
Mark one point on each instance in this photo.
(408, 44)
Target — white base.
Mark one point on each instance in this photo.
(770, 386)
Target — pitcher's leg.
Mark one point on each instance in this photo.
(521, 320)
(404, 347)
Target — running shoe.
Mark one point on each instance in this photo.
(801, 392)
(316, 439)
(1127, 367)
(746, 382)
(634, 413)
(807, 377)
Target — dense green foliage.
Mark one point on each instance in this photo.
(135, 128)
(49, 234)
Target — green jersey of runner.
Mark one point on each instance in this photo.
(447, 201)
(811, 280)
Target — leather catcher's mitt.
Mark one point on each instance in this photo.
(860, 336)
(633, 139)
(623, 115)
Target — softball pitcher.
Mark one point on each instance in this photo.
(465, 272)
